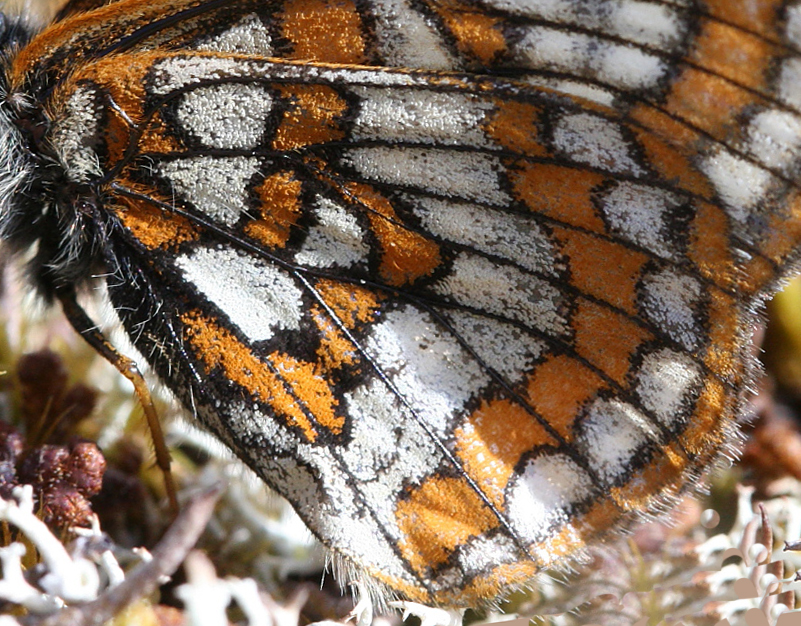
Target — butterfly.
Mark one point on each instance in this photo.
(469, 282)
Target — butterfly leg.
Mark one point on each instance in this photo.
(88, 329)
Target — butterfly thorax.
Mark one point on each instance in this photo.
(48, 214)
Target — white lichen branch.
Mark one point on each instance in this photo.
(71, 580)
(14, 588)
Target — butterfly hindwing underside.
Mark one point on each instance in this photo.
(469, 283)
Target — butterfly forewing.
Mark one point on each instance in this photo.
(468, 283)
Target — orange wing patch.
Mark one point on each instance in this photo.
(280, 208)
(405, 255)
(311, 117)
(558, 388)
(438, 516)
(321, 30)
(293, 389)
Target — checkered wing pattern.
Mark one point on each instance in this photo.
(470, 283)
